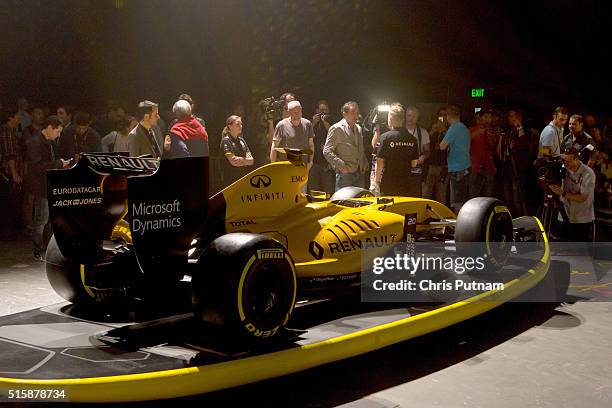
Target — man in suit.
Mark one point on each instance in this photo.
(146, 138)
(344, 148)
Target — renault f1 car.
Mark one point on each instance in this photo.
(134, 232)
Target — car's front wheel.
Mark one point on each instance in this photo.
(246, 285)
(484, 229)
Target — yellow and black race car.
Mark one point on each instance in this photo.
(135, 232)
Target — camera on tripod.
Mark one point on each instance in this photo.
(550, 170)
(272, 108)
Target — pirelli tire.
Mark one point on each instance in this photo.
(346, 193)
(68, 278)
(484, 229)
(246, 286)
(122, 232)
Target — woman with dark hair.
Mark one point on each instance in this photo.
(238, 159)
(117, 140)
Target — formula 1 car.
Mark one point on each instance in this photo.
(135, 231)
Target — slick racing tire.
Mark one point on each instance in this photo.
(484, 229)
(68, 278)
(346, 193)
(246, 286)
(122, 232)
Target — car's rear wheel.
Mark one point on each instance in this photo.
(246, 286)
(484, 229)
(73, 281)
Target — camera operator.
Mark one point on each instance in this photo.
(577, 192)
(579, 140)
(551, 138)
(397, 158)
(322, 176)
(285, 98)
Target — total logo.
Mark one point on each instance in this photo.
(401, 144)
(260, 181)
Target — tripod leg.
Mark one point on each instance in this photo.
(519, 189)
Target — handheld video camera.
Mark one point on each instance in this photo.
(272, 108)
(382, 114)
(377, 116)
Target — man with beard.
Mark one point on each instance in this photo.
(551, 138)
(145, 138)
(579, 140)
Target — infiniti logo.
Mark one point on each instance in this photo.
(260, 181)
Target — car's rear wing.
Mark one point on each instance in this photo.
(164, 202)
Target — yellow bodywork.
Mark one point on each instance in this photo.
(275, 207)
(323, 238)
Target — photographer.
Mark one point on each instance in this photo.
(322, 176)
(577, 191)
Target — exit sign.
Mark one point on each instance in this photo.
(478, 92)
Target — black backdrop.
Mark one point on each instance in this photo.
(87, 52)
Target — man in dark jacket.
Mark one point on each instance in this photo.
(41, 157)
(80, 138)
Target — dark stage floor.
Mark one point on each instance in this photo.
(519, 355)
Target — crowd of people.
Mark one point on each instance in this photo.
(495, 156)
